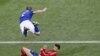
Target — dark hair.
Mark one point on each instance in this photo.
(28, 8)
(58, 46)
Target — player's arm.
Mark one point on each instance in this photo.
(49, 54)
(40, 11)
(43, 51)
(44, 48)
(52, 54)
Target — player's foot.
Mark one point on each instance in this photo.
(35, 23)
(37, 33)
(25, 31)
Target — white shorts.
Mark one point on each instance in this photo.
(28, 24)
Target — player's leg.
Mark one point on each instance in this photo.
(26, 51)
(23, 28)
(34, 53)
(37, 31)
(33, 28)
(23, 52)
(25, 31)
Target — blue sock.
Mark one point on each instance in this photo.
(36, 28)
(25, 32)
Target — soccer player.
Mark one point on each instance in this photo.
(25, 21)
(43, 51)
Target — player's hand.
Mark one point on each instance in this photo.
(45, 46)
(44, 9)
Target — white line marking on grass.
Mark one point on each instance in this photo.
(44, 42)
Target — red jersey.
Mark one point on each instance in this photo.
(43, 52)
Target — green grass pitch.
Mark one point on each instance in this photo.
(64, 20)
(66, 50)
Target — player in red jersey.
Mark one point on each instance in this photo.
(52, 52)
(43, 51)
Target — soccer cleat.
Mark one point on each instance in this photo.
(35, 23)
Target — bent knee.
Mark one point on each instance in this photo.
(22, 48)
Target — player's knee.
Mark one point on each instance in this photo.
(23, 53)
(22, 48)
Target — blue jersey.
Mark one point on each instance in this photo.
(26, 15)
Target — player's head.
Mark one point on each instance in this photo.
(28, 8)
(56, 47)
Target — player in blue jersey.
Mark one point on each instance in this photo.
(25, 21)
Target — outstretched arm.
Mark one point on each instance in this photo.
(40, 11)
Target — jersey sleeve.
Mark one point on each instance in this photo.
(52, 54)
(43, 52)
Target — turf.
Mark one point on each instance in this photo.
(66, 50)
(64, 19)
